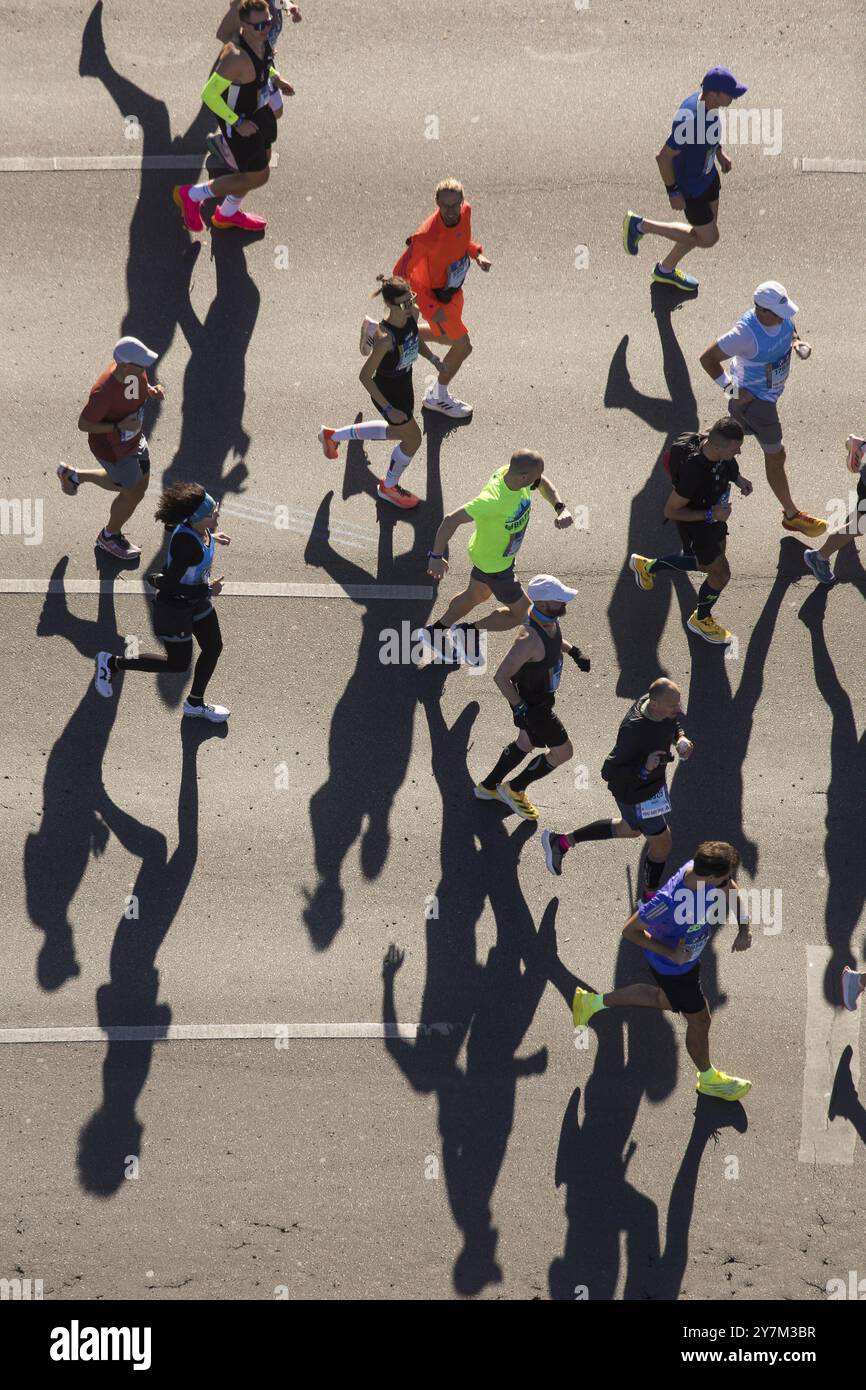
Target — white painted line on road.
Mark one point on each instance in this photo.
(829, 1031)
(66, 164)
(833, 166)
(123, 587)
(197, 1032)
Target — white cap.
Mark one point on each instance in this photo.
(544, 588)
(134, 351)
(771, 295)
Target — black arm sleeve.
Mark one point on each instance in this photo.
(185, 552)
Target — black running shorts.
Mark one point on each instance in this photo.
(684, 993)
(253, 152)
(544, 727)
(703, 539)
(398, 392)
(698, 211)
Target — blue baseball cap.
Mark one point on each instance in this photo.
(722, 80)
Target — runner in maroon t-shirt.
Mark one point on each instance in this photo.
(112, 419)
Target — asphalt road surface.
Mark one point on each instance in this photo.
(251, 882)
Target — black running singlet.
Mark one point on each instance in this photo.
(404, 351)
(537, 680)
(246, 97)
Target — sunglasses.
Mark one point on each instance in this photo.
(257, 24)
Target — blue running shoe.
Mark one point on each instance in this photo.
(676, 278)
(630, 234)
(819, 566)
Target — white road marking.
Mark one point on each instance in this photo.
(123, 587)
(64, 164)
(195, 1032)
(829, 1031)
(833, 166)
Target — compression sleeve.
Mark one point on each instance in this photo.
(212, 96)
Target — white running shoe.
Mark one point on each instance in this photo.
(437, 642)
(469, 644)
(368, 334)
(102, 680)
(446, 405)
(217, 714)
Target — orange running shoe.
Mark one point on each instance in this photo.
(804, 523)
(397, 496)
(326, 439)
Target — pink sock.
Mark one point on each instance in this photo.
(563, 843)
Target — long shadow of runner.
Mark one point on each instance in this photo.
(846, 793)
(489, 1007)
(113, 1133)
(638, 620)
(844, 1099)
(74, 799)
(720, 723)
(370, 739)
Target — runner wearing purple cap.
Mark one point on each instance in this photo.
(529, 677)
(112, 420)
(687, 163)
(760, 344)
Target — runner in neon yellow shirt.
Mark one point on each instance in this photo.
(501, 514)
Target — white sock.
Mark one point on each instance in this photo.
(368, 429)
(441, 393)
(199, 192)
(229, 206)
(397, 467)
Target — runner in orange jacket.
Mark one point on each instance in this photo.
(435, 263)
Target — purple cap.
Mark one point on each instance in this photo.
(722, 80)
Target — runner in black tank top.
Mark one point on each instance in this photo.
(238, 94)
(387, 375)
(528, 678)
(227, 33)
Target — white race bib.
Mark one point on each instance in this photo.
(657, 805)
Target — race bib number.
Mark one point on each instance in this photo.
(457, 272)
(514, 543)
(126, 435)
(777, 372)
(657, 805)
(555, 676)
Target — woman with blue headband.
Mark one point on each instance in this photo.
(182, 608)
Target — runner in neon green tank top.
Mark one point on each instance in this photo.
(501, 513)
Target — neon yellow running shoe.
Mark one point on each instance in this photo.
(642, 576)
(583, 1007)
(710, 630)
(518, 801)
(724, 1087)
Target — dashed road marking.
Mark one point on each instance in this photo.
(196, 1032)
(833, 166)
(71, 164)
(123, 587)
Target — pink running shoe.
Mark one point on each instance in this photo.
(244, 221)
(326, 439)
(118, 546)
(67, 481)
(189, 211)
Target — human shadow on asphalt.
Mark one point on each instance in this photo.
(160, 264)
(846, 791)
(637, 620)
(844, 1100)
(488, 1008)
(602, 1206)
(112, 1136)
(72, 826)
(370, 739)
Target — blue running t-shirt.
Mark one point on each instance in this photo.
(678, 914)
(695, 136)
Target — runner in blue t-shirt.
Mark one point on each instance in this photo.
(687, 163)
(672, 929)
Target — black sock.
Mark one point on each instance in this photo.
(707, 596)
(596, 830)
(539, 767)
(195, 699)
(673, 562)
(510, 757)
(653, 872)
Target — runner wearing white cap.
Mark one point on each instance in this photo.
(528, 678)
(760, 344)
(112, 419)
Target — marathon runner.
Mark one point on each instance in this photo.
(703, 468)
(687, 163)
(635, 772)
(529, 678)
(819, 560)
(182, 608)
(113, 420)
(501, 515)
(673, 930)
(228, 31)
(237, 91)
(436, 263)
(387, 375)
(761, 343)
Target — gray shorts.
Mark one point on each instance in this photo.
(128, 472)
(761, 419)
(502, 585)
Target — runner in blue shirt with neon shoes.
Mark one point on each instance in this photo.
(672, 929)
(687, 163)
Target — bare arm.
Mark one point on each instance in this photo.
(635, 932)
(665, 160)
(230, 24)
(526, 647)
(447, 527)
(712, 360)
(381, 347)
(677, 508)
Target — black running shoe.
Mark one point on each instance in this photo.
(553, 852)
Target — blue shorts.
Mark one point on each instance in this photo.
(654, 826)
